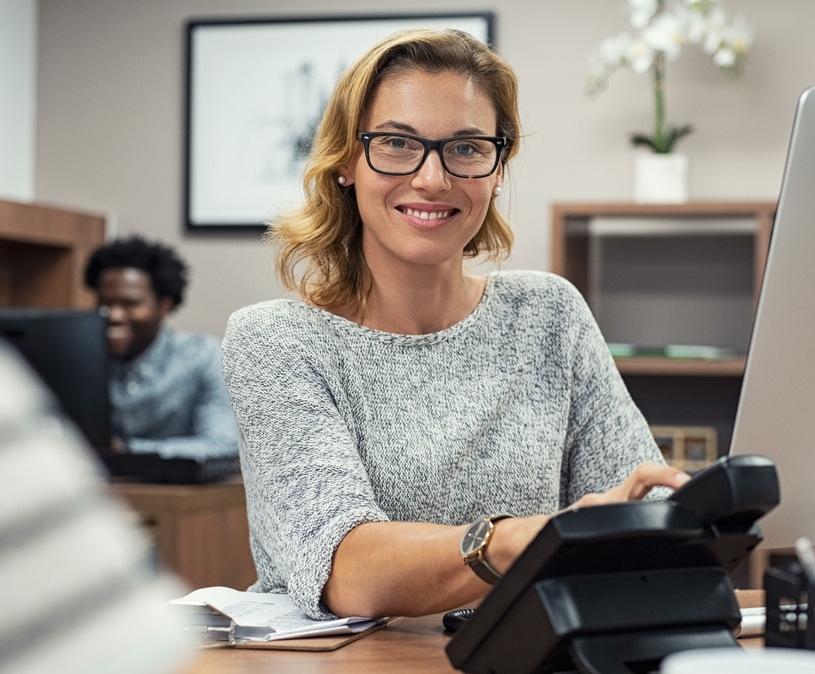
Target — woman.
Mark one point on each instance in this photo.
(403, 400)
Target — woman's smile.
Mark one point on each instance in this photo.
(428, 216)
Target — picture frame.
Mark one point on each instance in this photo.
(255, 92)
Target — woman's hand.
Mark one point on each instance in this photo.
(645, 477)
(512, 536)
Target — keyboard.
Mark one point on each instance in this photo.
(154, 468)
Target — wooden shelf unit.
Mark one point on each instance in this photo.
(670, 391)
(43, 252)
(570, 259)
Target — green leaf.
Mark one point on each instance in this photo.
(675, 134)
(638, 139)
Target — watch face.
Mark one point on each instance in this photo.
(474, 537)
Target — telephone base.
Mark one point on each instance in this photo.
(641, 653)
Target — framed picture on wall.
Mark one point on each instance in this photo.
(256, 90)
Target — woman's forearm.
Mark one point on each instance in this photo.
(412, 568)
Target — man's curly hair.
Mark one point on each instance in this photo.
(168, 273)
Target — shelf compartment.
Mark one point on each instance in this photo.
(683, 367)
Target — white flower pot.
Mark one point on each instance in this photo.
(660, 178)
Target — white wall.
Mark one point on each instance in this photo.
(18, 57)
(110, 125)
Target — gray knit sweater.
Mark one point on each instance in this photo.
(518, 408)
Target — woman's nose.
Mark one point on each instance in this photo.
(431, 175)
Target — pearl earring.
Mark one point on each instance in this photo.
(496, 191)
(341, 180)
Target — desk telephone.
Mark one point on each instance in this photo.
(614, 589)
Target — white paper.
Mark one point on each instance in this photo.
(270, 616)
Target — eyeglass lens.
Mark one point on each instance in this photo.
(465, 156)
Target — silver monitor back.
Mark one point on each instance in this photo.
(776, 414)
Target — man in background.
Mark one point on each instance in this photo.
(166, 389)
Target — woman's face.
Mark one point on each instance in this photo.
(425, 218)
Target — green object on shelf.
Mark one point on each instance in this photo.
(675, 351)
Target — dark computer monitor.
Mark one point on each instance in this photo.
(68, 349)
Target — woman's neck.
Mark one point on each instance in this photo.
(412, 300)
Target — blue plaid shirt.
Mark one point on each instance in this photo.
(171, 399)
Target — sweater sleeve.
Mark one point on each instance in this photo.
(306, 487)
(607, 436)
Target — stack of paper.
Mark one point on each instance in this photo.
(221, 614)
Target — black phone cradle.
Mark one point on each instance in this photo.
(614, 589)
(790, 618)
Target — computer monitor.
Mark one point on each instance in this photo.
(776, 414)
(68, 349)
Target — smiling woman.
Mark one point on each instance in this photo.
(395, 416)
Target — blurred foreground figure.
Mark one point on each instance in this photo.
(79, 590)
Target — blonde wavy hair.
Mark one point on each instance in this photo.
(320, 244)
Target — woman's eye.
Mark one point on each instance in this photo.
(397, 143)
(465, 149)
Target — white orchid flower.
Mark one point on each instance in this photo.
(639, 56)
(613, 50)
(663, 27)
(642, 11)
(666, 34)
(715, 30)
(738, 36)
(725, 58)
(695, 22)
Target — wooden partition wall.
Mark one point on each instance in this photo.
(43, 252)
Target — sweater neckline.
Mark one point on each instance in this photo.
(427, 339)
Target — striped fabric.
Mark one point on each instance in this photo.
(77, 581)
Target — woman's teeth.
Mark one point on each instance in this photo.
(428, 215)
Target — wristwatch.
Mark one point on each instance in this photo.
(474, 544)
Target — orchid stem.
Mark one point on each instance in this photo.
(658, 69)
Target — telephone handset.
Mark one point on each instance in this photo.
(731, 491)
(613, 589)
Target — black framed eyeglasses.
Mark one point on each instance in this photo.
(398, 154)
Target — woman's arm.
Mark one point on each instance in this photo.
(414, 568)
(406, 568)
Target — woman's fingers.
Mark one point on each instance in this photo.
(648, 475)
(645, 477)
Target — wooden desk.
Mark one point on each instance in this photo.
(201, 531)
(412, 645)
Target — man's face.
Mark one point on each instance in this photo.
(135, 313)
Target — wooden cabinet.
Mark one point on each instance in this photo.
(43, 252)
(659, 276)
(200, 531)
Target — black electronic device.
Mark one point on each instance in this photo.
(790, 617)
(177, 470)
(613, 589)
(68, 350)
